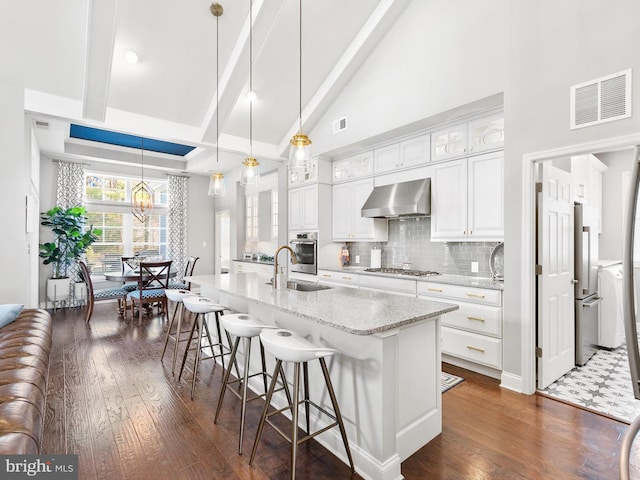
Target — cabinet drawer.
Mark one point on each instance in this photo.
(481, 319)
(456, 292)
(473, 347)
(339, 278)
(388, 284)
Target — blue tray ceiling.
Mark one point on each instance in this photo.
(126, 140)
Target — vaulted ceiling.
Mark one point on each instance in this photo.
(69, 56)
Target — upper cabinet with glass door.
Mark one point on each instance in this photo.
(486, 134)
(303, 177)
(350, 168)
(449, 142)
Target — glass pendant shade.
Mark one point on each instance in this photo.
(141, 201)
(300, 152)
(250, 172)
(217, 185)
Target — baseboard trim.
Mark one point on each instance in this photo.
(512, 382)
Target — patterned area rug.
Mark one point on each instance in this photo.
(449, 381)
(602, 385)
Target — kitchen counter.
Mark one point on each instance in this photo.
(258, 262)
(386, 376)
(462, 280)
(355, 311)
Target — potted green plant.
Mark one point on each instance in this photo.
(71, 240)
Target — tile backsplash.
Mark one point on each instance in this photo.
(410, 242)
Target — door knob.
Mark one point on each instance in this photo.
(574, 281)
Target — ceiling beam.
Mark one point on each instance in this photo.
(374, 29)
(101, 32)
(235, 74)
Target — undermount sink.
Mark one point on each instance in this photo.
(304, 286)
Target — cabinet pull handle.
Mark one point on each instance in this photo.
(470, 232)
(475, 295)
(464, 232)
(435, 290)
(346, 278)
(326, 275)
(477, 349)
(477, 319)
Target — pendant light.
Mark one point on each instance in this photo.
(141, 193)
(250, 167)
(217, 187)
(300, 151)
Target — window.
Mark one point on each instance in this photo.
(108, 199)
(274, 213)
(252, 216)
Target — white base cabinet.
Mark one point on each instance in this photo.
(245, 267)
(474, 332)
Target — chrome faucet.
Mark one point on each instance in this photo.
(294, 260)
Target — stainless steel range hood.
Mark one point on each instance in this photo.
(406, 199)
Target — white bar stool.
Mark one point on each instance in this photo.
(245, 327)
(288, 346)
(202, 306)
(176, 296)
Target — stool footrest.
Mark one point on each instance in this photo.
(309, 436)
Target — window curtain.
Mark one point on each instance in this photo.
(177, 241)
(70, 193)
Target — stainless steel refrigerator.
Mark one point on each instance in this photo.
(586, 283)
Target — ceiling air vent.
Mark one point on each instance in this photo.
(339, 125)
(601, 100)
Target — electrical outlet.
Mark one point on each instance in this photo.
(357, 259)
(474, 267)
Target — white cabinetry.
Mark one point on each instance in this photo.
(398, 286)
(586, 175)
(303, 208)
(405, 154)
(467, 199)
(350, 168)
(486, 133)
(348, 223)
(245, 267)
(474, 332)
(449, 142)
(329, 277)
(303, 177)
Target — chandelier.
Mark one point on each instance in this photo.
(300, 151)
(141, 193)
(250, 166)
(217, 187)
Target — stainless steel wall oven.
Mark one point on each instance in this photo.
(305, 247)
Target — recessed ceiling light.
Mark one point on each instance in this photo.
(251, 95)
(130, 56)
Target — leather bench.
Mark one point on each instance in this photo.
(25, 344)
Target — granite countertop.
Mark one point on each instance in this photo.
(259, 262)
(462, 280)
(360, 312)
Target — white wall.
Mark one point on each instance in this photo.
(612, 192)
(15, 244)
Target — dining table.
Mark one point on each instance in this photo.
(131, 276)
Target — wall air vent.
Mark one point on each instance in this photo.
(601, 100)
(339, 125)
(41, 124)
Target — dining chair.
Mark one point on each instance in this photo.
(153, 279)
(188, 271)
(93, 296)
(130, 286)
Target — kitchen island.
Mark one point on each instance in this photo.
(387, 378)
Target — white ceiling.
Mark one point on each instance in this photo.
(68, 55)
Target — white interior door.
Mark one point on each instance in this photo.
(556, 322)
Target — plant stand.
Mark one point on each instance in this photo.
(57, 291)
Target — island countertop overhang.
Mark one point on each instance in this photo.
(359, 312)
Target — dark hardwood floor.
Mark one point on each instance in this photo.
(113, 403)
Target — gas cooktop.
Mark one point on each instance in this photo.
(403, 271)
